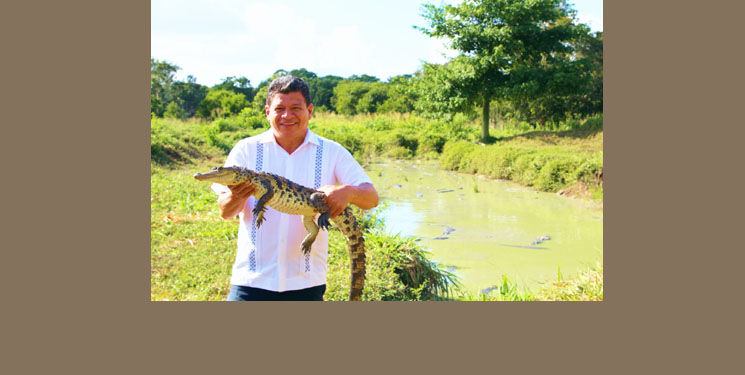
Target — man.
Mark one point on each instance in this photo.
(269, 264)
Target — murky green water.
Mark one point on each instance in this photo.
(496, 224)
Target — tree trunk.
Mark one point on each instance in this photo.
(485, 120)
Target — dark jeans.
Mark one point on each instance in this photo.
(246, 293)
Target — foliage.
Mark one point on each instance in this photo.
(188, 95)
(586, 286)
(174, 110)
(221, 103)
(161, 79)
(238, 85)
(347, 94)
(547, 161)
(503, 44)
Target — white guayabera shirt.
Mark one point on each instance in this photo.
(270, 257)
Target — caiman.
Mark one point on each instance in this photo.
(291, 198)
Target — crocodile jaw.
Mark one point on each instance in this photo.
(220, 175)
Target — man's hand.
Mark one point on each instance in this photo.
(231, 204)
(337, 198)
(242, 190)
(363, 196)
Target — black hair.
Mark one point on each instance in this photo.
(286, 85)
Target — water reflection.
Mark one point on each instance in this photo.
(400, 218)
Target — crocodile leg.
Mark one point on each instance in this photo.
(316, 200)
(312, 229)
(260, 207)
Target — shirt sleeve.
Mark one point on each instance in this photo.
(348, 171)
(238, 156)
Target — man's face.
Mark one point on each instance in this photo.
(289, 115)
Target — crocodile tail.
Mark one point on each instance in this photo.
(347, 223)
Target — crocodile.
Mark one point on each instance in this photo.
(291, 198)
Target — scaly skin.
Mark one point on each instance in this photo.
(290, 198)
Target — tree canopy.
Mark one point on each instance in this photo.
(503, 44)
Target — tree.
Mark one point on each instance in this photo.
(304, 74)
(363, 78)
(347, 94)
(188, 95)
(174, 110)
(240, 85)
(161, 80)
(450, 88)
(590, 48)
(401, 95)
(377, 93)
(495, 38)
(322, 90)
(221, 103)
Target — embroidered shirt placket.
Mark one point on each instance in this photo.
(259, 168)
(316, 185)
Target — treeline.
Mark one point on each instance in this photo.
(518, 62)
(347, 96)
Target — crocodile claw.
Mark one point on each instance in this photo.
(323, 221)
(306, 247)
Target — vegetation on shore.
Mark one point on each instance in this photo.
(192, 248)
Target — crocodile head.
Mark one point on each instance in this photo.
(223, 175)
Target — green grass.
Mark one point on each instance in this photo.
(586, 286)
(193, 249)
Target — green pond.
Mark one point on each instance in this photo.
(481, 229)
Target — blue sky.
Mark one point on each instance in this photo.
(215, 39)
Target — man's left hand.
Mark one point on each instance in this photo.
(337, 198)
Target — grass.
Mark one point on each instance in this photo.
(586, 286)
(193, 249)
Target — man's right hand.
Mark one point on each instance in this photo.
(242, 190)
(232, 203)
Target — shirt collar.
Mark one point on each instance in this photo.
(268, 137)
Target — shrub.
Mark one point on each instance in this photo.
(430, 142)
(174, 110)
(453, 152)
(555, 174)
(251, 118)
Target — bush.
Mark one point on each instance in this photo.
(555, 174)
(453, 152)
(250, 118)
(430, 142)
(221, 103)
(174, 110)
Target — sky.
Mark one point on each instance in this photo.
(215, 39)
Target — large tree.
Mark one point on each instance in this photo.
(496, 38)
